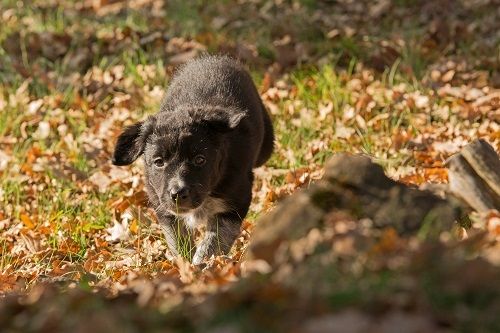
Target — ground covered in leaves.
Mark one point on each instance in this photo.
(405, 82)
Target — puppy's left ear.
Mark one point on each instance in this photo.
(221, 120)
(132, 141)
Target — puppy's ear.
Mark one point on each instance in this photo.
(132, 141)
(222, 120)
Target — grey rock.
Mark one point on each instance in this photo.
(356, 185)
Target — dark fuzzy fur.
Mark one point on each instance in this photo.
(211, 108)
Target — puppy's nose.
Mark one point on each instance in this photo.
(180, 194)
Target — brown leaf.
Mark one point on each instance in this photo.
(134, 227)
(448, 76)
(28, 223)
(7, 282)
(33, 154)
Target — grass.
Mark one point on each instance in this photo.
(184, 238)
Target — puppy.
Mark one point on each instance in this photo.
(199, 151)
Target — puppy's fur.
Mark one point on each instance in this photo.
(199, 152)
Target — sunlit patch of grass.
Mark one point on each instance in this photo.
(14, 194)
(11, 119)
(96, 214)
(298, 124)
(76, 126)
(252, 215)
(4, 121)
(184, 237)
(5, 256)
(367, 144)
(185, 241)
(131, 60)
(81, 163)
(314, 86)
(71, 218)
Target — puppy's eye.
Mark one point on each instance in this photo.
(199, 160)
(159, 162)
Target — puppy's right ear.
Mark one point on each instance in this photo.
(131, 142)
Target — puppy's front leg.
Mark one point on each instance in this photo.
(178, 237)
(222, 230)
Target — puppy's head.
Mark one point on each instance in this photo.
(184, 154)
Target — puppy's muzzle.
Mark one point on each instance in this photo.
(181, 196)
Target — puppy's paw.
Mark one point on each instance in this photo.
(198, 260)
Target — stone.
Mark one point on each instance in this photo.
(356, 185)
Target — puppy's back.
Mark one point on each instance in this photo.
(212, 80)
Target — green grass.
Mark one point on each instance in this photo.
(184, 239)
(13, 193)
(5, 257)
(329, 85)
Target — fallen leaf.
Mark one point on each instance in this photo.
(4, 160)
(27, 221)
(448, 76)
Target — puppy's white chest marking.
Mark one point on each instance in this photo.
(193, 219)
(210, 207)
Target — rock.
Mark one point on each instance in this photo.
(292, 219)
(357, 171)
(356, 185)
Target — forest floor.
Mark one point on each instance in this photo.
(406, 82)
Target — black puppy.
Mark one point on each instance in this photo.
(199, 152)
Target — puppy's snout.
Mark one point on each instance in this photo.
(180, 194)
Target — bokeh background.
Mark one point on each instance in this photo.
(406, 82)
